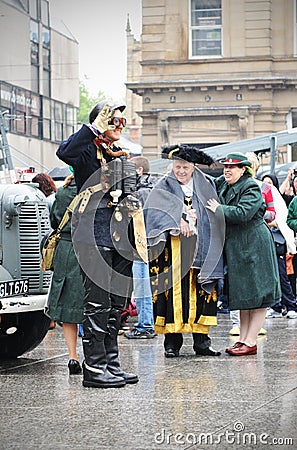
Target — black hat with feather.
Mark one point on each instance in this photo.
(188, 153)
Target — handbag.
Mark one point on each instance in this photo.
(279, 240)
(48, 248)
(50, 241)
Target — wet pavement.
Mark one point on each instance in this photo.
(182, 403)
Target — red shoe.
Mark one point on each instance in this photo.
(236, 345)
(243, 350)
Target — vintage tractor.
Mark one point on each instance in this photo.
(23, 286)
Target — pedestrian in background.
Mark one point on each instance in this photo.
(292, 223)
(281, 202)
(47, 186)
(66, 294)
(144, 328)
(288, 188)
(252, 275)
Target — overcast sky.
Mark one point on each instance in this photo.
(99, 27)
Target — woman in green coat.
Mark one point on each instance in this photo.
(252, 271)
(65, 300)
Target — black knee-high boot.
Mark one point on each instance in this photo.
(95, 371)
(112, 350)
(202, 345)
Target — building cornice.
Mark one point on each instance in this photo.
(203, 109)
(279, 82)
(216, 60)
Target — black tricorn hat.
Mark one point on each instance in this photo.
(188, 153)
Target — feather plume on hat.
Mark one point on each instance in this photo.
(188, 153)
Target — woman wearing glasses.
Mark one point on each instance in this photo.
(252, 271)
(107, 272)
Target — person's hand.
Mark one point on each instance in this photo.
(102, 120)
(185, 228)
(212, 204)
(191, 213)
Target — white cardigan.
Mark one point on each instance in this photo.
(281, 213)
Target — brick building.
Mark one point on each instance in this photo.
(213, 71)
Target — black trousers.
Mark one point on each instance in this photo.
(108, 283)
(175, 340)
(288, 298)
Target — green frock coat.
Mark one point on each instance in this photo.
(66, 295)
(252, 270)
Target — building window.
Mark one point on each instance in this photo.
(46, 83)
(25, 112)
(34, 34)
(46, 61)
(46, 122)
(34, 54)
(20, 5)
(34, 42)
(18, 110)
(34, 78)
(58, 120)
(46, 129)
(33, 9)
(20, 122)
(31, 114)
(46, 37)
(45, 13)
(70, 120)
(205, 28)
(46, 58)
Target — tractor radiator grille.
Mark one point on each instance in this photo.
(33, 225)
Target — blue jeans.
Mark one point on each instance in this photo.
(143, 296)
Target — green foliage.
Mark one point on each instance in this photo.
(86, 103)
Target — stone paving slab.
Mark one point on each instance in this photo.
(182, 403)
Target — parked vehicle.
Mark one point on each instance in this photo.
(23, 286)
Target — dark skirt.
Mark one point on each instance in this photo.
(66, 294)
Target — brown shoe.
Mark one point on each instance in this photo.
(243, 350)
(236, 345)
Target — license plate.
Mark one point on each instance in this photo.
(12, 288)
